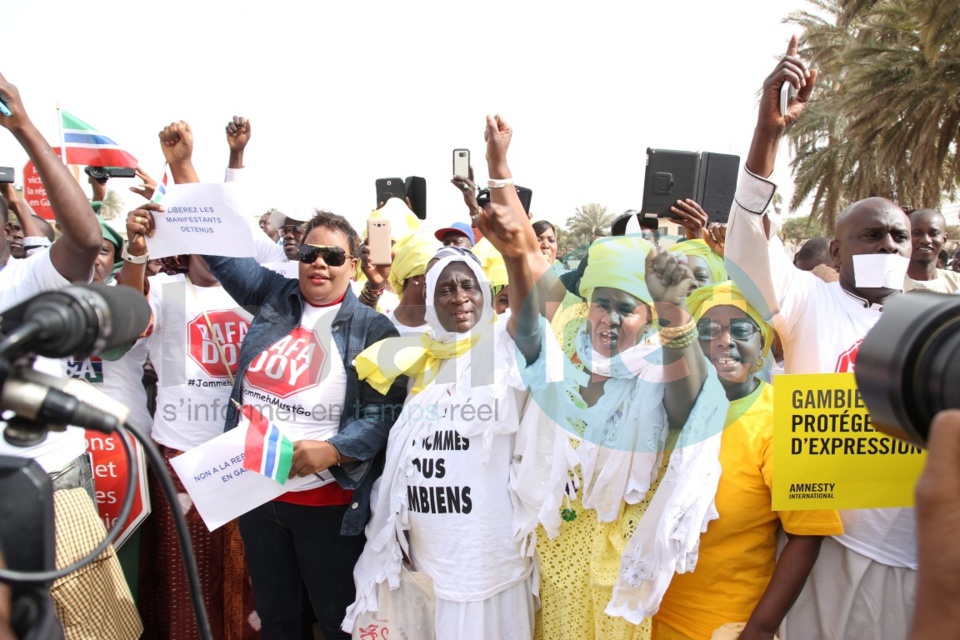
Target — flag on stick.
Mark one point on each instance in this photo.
(266, 450)
(84, 145)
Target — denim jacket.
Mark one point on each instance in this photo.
(367, 416)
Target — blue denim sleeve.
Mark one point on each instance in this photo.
(365, 433)
(244, 279)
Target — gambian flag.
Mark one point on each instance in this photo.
(266, 450)
(88, 147)
(161, 189)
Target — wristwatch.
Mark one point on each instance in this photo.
(132, 259)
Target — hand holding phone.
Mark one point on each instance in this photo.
(787, 93)
(4, 109)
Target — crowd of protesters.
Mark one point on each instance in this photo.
(533, 451)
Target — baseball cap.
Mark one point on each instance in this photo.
(457, 227)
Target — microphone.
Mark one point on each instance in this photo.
(79, 321)
(56, 403)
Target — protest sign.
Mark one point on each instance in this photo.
(111, 468)
(826, 453)
(201, 219)
(219, 485)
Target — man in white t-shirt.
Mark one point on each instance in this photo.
(63, 455)
(863, 583)
(929, 231)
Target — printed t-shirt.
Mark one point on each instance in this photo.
(299, 383)
(945, 282)
(821, 326)
(20, 280)
(404, 330)
(458, 496)
(194, 384)
(738, 550)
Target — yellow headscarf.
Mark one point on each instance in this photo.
(702, 250)
(617, 263)
(726, 294)
(412, 254)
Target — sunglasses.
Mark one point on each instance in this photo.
(739, 330)
(332, 256)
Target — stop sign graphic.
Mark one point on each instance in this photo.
(228, 329)
(847, 359)
(292, 364)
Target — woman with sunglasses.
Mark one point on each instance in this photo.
(296, 366)
(738, 578)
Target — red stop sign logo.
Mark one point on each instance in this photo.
(847, 359)
(292, 364)
(228, 329)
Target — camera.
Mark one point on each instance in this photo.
(102, 174)
(6, 174)
(908, 366)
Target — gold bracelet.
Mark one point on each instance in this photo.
(675, 332)
(683, 341)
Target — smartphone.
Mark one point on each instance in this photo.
(787, 93)
(390, 188)
(6, 174)
(461, 163)
(378, 241)
(4, 109)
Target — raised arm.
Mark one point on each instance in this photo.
(74, 253)
(176, 141)
(238, 135)
(754, 255)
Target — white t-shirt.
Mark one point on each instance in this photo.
(404, 330)
(458, 496)
(120, 379)
(821, 326)
(945, 282)
(19, 281)
(300, 383)
(194, 385)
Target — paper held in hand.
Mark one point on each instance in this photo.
(201, 218)
(219, 484)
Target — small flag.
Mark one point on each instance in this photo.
(266, 450)
(86, 146)
(161, 189)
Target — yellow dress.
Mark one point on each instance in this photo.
(579, 567)
(738, 551)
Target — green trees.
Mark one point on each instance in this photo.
(885, 118)
(587, 222)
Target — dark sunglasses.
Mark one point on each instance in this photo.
(739, 330)
(332, 256)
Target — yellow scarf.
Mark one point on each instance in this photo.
(419, 357)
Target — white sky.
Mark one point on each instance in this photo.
(342, 93)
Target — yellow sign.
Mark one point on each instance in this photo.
(827, 455)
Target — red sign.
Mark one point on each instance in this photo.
(110, 472)
(291, 364)
(34, 193)
(228, 329)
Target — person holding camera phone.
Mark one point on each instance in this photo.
(863, 586)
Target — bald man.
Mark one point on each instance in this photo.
(929, 232)
(862, 585)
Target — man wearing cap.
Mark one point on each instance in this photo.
(459, 234)
(291, 231)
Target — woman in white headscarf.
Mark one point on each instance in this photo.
(445, 502)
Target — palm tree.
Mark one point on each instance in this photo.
(111, 206)
(589, 221)
(884, 120)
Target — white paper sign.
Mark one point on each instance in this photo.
(880, 270)
(219, 486)
(286, 269)
(201, 218)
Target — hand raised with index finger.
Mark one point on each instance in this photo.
(793, 70)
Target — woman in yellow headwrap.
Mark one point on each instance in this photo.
(737, 578)
(629, 514)
(706, 265)
(411, 255)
